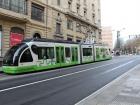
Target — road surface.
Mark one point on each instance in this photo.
(65, 86)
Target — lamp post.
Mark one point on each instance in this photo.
(118, 46)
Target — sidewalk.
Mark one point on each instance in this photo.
(125, 90)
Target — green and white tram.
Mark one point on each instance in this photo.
(42, 54)
(101, 53)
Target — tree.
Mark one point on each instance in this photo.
(131, 46)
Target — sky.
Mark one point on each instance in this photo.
(121, 15)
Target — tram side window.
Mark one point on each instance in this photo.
(87, 52)
(107, 51)
(26, 57)
(46, 53)
(67, 52)
(101, 50)
(50, 52)
(97, 53)
(42, 53)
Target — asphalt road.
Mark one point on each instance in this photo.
(65, 86)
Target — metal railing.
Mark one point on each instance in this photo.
(16, 8)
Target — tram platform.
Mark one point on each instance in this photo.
(125, 90)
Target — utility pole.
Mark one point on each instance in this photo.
(118, 44)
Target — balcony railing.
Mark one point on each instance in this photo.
(16, 8)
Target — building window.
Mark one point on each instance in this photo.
(78, 40)
(5, 4)
(58, 18)
(70, 4)
(78, 27)
(85, 12)
(69, 39)
(37, 12)
(100, 36)
(58, 2)
(93, 18)
(93, 7)
(78, 8)
(85, 2)
(58, 28)
(69, 24)
(19, 6)
(37, 36)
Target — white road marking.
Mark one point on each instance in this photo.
(32, 83)
(119, 66)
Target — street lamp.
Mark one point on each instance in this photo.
(118, 42)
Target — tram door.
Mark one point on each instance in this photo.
(60, 55)
(74, 54)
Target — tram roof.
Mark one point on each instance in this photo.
(49, 40)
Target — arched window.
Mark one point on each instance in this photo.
(16, 36)
(36, 35)
(17, 30)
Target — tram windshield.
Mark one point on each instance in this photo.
(8, 58)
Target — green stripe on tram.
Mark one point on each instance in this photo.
(25, 69)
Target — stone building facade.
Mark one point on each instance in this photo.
(107, 37)
(73, 20)
(19, 19)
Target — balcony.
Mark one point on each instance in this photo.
(16, 8)
(10, 11)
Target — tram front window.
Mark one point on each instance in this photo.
(8, 58)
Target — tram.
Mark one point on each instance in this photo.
(42, 54)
